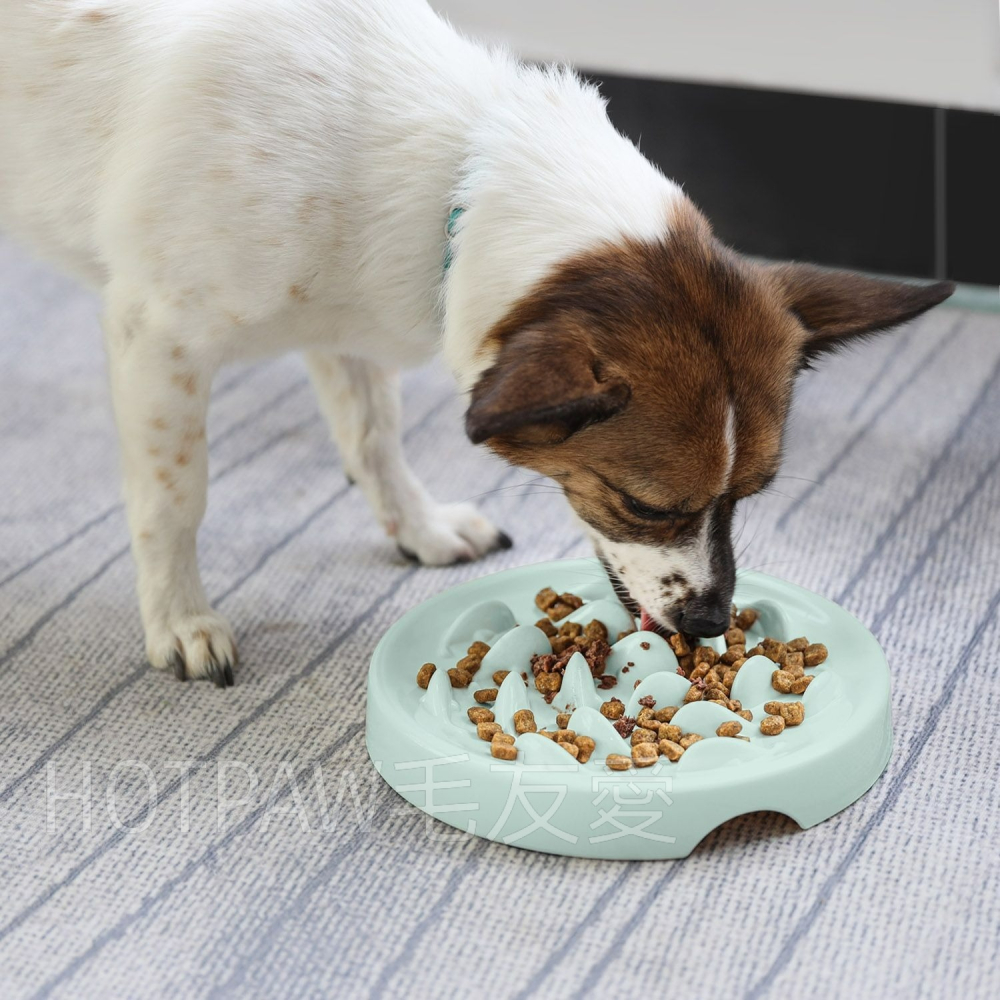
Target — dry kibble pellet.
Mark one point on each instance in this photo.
(564, 736)
(547, 627)
(503, 751)
(670, 732)
(571, 748)
(424, 674)
(689, 740)
(548, 683)
(613, 709)
(793, 660)
(695, 693)
(644, 754)
(524, 721)
(641, 735)
(744, 713)
(499, 676)
(562, 720)
(671, 749)
(729, 729)
(815, 654)
(799, 645)
(485, 695)
(502, 738)
(478, 715)
(782, 681)
(746, 618)
(618, 762)
(459, 678)
(586, 746)
(773, 649)
(479, 649)
(772, 725)
(647, 718)
(545, 598)
(793, 712)
(665, 714)
(470, 664)
(487, 730)
(800, 684)
(735, 637)
(679, 645)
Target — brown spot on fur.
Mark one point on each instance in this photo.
(186, 381)
(178, 353)
(182, 458)
(154, 452)
(164, 476)
(95, 16)
(158, 424)
(145, 536)
(297, 292)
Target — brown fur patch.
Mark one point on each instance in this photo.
(178, 353)
(297, 292)
(186, 381)
(693, 331)
(158, 424)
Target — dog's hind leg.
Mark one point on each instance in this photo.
(160, 387)
(361, 402)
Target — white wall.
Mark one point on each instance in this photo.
(940, 52)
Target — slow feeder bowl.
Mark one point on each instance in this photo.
(425, 747)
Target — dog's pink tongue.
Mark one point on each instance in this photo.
(646, 622)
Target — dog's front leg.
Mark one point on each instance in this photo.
(362, 405)
(160, 387)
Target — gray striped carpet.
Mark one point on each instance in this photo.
(316, 881)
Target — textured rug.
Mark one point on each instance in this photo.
(160, 839)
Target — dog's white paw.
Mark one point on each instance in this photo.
(450, 533)
(193, 646)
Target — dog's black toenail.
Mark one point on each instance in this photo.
(407, 553)
(504, 541)
(177, 662)
(228, 672)
(350, 480)
(215, 674)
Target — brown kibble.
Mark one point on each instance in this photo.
(499, 676)
(479, 649)
(459, 678)
(666, 713)
(699, 671)
(679, 645)
(644, 754)
(572, 600)
(734, 653)
(596, 630)
(800, 684)
(547, 627)
(546, 734)
(470, 664)
(735, 637)
(772, 725)
(793, 712)
(671, 749)
(618, 762)
(613, 709)
(503, 751)
(502, 738)
(647, 718)
(586, 745)
(669, 732)
(747, 618)
(558, 611)
(695, 693)
(564, 735)
(689, 740)
(562, 720)
(524, 721)
(621, 635)
(545, 598)
(727, 679)
(729, 729)
(744, 713)
(570, 747)
(572, 629)
(799, 645)
(782, 681)
(561, 643)
(793, 661)
(424, 674)
(815, 654)
(642, 735)
(487, 730)
(548, 684)
(485, 695)
(478, 715)
(773, 649)
(705, 654)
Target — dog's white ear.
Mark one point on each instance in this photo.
(838, 307)
(543, 387)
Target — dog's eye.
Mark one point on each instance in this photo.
(646, 512)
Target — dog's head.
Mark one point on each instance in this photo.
(652, 382)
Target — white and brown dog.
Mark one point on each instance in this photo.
(353, 179)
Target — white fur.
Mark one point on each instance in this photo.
(240, 177)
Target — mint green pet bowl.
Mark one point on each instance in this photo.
(423, 744)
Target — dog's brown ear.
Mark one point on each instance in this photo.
(543, 387)
(837, 307)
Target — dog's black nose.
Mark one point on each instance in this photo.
(704, 618)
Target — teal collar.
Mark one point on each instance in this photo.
(449, 230)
